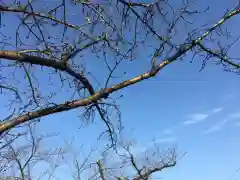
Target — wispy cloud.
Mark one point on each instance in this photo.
(216, 127)
(200, 117)
(169, 139)
(141, 148)
(217, 110)
(195, 118)
(222, 123)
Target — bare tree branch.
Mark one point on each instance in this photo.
(99, 95)
(100, 168)
(111, 32)
(223, 58)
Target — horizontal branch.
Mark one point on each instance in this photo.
(36, 14)
(16, 56)
(59, 65)
(43, 16)
(139, 4)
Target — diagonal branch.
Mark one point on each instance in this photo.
(145, 172)
(134, 164)
(101, 170)
(11, 89)
(7, 125)
(221, 57)
(145, 22)
(152, 170)
(59, 65)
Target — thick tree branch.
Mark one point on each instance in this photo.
(21, 57)
(59, 65)
(7, 125)
(101, 170)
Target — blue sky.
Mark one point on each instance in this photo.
(197, 111)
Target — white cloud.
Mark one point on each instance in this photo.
(195, 118)
(221, 124)
(216, 127)
(200, 117)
